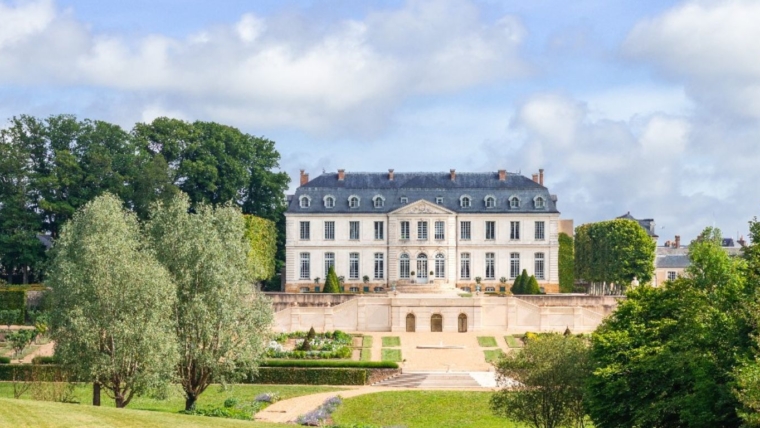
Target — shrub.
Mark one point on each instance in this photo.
(310, 376)
(43, 360)
(321, 414)
(10, 317)
(532, 287)
(5, 360)
(13, 299)
(517, 287)
(20, 339)
(330, 364)
(332, 284)
(268, 397)
(230, 402)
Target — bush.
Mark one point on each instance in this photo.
(310, 376)
(321, 414)
(5, 360)
(332, 284)
(9, 372)
(43, 360)
(20, 339)
(267, 397)
(14, 299)
(330, 364)
(10, 317)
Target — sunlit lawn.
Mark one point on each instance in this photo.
(487, 341)
(391, 342)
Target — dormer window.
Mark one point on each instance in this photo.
(329, 201)
(439, 200)
(404, 200)
(304, 201)
(378, 201)
(539, 202)
(514, 202)
(353, 201)
(465, 201)
(490, 201)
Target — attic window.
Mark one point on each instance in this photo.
(304, 201)
(514, 202)
(539, 202)
(404, 200)
(490, 201)
(379, 201)
(439, 200)
(353, 201)
(465, 201)
(329, 201)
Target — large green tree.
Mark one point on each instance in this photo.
(222, 322)
(614, 251)
(112, 302)
(667, 356)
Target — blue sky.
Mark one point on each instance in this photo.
(650, 107)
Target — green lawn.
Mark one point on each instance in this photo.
(487, 341)
(493, 354)
(29, 413)
(513, 342)
(391, 355)
(421, 409)
(391, 342)
(367, 342)
(213, 396)
(366, 354)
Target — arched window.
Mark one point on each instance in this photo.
(422, 263)
(538, 202)
(304, 201)
(403, 266)
(465, 201)
(329, 201)
(514, 202)
(353, 201)
(462, 323)
(411, 323)
(490, 202)
(379, 201)
(440, 266)
(436, 323)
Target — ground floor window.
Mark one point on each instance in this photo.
(538, 269)
(440, 266)
(464, 266)
(403, 264)
(436, 323)
(462, 322)
(410, 323)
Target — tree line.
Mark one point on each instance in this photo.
(51, 167)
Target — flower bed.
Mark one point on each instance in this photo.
(321, 346)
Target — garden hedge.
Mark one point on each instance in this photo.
(24, 371)
(330, 364)
(310, 376)
(5, 360)
(12, 298)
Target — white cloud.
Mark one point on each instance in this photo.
(260, 71)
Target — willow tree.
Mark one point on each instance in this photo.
(222, 322)
(111, 304)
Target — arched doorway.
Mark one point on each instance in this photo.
(422, 268)
(436, 323)
(462, 323)
(411, 323)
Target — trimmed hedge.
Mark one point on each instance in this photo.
(24, 371)
(43, 360)
(5, 360)
(310, 376)
(13, 299)
(330, 364)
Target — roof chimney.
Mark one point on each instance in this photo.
(541, 176)
(677, 244)
(453, 174)
(390, 174)
(341, 174)
(535, 178)
(304, 178)
(502, 175)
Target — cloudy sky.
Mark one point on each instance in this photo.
(650, 107)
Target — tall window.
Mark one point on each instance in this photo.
(379, 230)
(671, 275)
(540, 231)
(490, 265)
(353, 202)
(305, 232)
(305, 266)
(514, 230)
(379, 265)
(403, 266)
(538, 269)
(464, 266)
(329, 202)
(440, 266)
(353, 230)
(353, 266)
(404, 230)
(329, 230)
(422, 266)
(514, 265)
(439, 230)
(465, 230)
(329, 262)
(490, 230)
(422, 230)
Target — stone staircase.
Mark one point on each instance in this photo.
(443, 380)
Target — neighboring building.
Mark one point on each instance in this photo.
(647, 224)
(672, 260)
(421, 228)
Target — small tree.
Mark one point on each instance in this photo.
(532, 287)
(517, 287)
(332, 285)
(543, 385)
(20, 339)
(9, 316)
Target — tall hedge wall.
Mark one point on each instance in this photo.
(566, 264)
(310, 376)
(13, 299)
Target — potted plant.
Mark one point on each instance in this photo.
(411, 275)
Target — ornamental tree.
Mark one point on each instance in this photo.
(332, 284)
(222, 322)
(111, 316)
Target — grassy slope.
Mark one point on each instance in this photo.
(422, 409)
(212, 397)
(28, 413)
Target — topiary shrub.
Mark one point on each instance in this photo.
(518, 287)
(532, 287)
(306, 345)
(332, 284)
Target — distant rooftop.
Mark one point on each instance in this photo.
(647, 224)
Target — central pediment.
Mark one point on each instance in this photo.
(422, 207)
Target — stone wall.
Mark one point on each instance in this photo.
(602, 304)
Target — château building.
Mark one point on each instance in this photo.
(424, 229)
